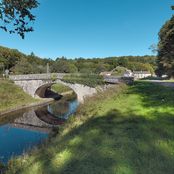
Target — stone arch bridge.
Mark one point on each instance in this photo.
(37, 84)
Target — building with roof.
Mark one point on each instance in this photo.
(141, 74)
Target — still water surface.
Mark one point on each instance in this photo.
(22, 130)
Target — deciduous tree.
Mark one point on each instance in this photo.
(16, 15)
(165, 59)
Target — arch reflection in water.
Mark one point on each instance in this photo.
(63, 109)
(45, 116)
(20, 131)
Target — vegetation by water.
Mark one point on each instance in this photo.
(126, 130)
(12, 96)
(67, 92)
(91, 80)
(60, 88)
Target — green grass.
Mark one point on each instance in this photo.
(121, 131)
(171, 80)
(12, 96)
(91, 80)
(59, 88)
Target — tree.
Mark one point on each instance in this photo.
(101, 67)
(153, 48)
(119, 71)
(63, 65)
(1, 68)
(9, 56)
(15, 16)
(23, 67)
(165, 59)
(138, 66)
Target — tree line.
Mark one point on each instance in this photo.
(19, 63)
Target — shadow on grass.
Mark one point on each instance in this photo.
(154, 95)
(110, 144)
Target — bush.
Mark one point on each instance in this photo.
(53, 77)
(91, 80)
(59, 88)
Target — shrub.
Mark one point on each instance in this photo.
(91, 80)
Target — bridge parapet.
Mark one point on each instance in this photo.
(116, 80)
(36, 76)
(35, 84)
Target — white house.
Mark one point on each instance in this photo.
(141, 74)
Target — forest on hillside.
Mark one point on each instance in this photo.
(20, 63)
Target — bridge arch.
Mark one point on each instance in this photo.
(43, 89)
(35, 84)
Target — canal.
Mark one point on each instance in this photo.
(23, 130)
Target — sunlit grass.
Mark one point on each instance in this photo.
(60, 88)
(171, 80)
(121, 131)
(12, 96)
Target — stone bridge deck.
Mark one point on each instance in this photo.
(59, 76)
(37, 76)
(37, 84)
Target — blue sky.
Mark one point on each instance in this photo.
(93, 28)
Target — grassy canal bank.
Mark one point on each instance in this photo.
(125, 130)
(12, 96)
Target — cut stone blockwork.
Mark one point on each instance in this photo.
(37, 84)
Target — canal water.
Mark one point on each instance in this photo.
(20, 131)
